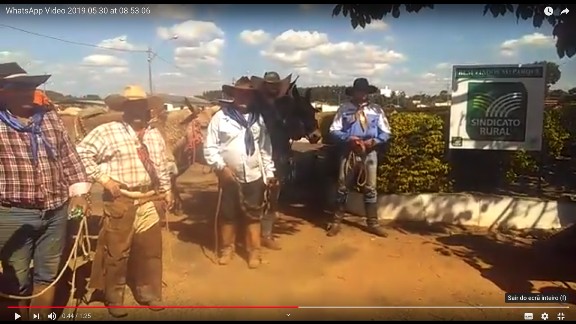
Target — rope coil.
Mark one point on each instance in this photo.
(81, 243)
(356, 163)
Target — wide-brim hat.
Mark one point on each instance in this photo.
(134, 93)
(13, 76)
(243, 84)
(273, 78)
(361, 84)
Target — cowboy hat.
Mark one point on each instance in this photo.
(361, 84)
(133, 93)
(13, 76)
(242, 84)
(272, 77)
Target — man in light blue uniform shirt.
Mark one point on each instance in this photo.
(359, 127)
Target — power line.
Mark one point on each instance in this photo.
(170, 63)
(72, 42)
(151, 53)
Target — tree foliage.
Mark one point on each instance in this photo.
(553, 73)
(57, 96)
(564, 25)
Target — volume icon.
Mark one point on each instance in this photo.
(52, 316)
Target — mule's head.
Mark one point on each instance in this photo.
(304, 119)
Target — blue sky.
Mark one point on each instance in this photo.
(216, 43)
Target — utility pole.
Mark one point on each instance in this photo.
(150, 57)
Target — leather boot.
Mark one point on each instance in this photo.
(372, 220)
(227, 241)
(253, 245)
(46, 299)
(335, 226)
(114, 299)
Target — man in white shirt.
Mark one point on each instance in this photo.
(238, 146)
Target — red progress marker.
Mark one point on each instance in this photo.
(135, 307)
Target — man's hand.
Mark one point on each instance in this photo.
(356, 144)
(272, 182)
(113, 187)
(79, 202)
(169, 200)
(369, 144)
(226, 175)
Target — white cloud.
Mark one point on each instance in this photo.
(376, 25)
(25, 61)
(117, 70)
(120, 42)
(172, 74)
(254, 37)
(298, 40)
(315, 58)
(198, 55)
(191, 32)
(104, 60)
(512, 46)
(389, 39)
(172, 11)
(204, 53)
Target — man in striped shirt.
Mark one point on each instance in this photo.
(129, 160)
(42, 180)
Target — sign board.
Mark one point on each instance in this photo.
(497, 107)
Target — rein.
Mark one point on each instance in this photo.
(356, 163)
(194, 138)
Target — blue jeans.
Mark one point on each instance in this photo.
(346, 180)
(27, 235)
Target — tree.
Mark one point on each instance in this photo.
(557, 93)
(92, 97)
(443, 96)
(55, 96)
(553, 73)
(572, 91)
(564, 25)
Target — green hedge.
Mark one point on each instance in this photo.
(416, 159)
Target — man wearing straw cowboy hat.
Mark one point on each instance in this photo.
(42, 181)
(128, 159)
(238, 146)
(272, 87)
(360, 127)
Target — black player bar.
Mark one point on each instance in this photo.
(535, 298)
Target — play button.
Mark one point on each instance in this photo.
(16, 316)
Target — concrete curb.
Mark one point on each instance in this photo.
(472, 210)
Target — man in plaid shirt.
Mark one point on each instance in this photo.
(128, 159)
(42, 180)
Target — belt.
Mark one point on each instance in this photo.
(22, 205)
(143, 188)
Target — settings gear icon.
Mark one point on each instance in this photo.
(544, 316)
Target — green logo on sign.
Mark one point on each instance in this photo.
(496, 111)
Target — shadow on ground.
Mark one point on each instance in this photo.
(513, 264)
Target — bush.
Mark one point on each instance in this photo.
(415, 160)
(555, 137)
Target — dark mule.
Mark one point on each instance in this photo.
(292, 118)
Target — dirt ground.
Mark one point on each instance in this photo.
(417, 266)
